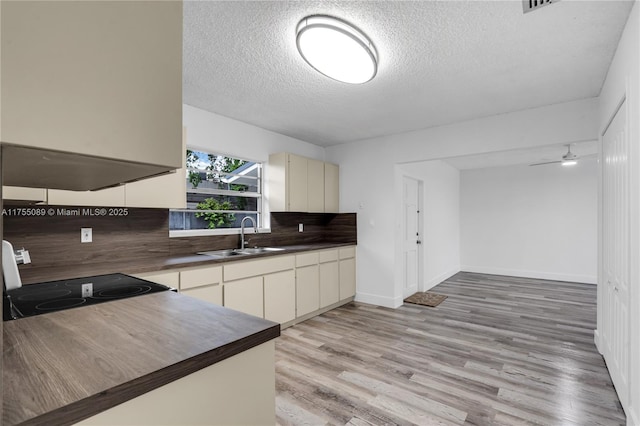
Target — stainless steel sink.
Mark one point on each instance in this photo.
(222, 253)
(238, 252)
(257, 250)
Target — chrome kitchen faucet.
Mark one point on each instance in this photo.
(255, 228)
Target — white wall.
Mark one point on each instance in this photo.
(368, 181)
(623, 79)
(537, 222)
(441, 219)
(215, 133)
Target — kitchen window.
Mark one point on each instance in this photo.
(221, 191)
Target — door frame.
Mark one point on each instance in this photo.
(420, 226)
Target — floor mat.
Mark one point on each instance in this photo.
(426, 298)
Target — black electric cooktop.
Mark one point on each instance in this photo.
(42, 298)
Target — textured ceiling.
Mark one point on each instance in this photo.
(440, 62)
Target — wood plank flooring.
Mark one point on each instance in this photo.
(498, 351)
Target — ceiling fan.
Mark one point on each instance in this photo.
(569, 159)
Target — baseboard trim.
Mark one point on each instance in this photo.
(316, 313)
(596, 340)
(440, 278)
(632, 418)
(575, 278)
(374, 299)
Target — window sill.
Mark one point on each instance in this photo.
(212, 232)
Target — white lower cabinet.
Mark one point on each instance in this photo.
(307, 289)
(245, 296)
(347, 272)
(278, 288)
(307, 283)
(329, 283)
(280, 296)
(202, 283)
(262, 287)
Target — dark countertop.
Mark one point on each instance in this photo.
(33, 274)
(65, 366)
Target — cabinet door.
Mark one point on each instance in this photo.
(307, 289)
(331, 188)
(210, 293)
(245, 296)
(347, 278)
(110, 197)
(203, 283)
(329, 283)
(166, 192)
(104, 78)
(280, 296)
(315, 186)
(297, 184)
(30, 195)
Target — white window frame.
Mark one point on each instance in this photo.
(260, 196)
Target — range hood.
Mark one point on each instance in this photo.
(41, 168)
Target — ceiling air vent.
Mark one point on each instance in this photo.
(531, 5)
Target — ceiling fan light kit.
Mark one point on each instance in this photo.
(569, 159)
(336, 49)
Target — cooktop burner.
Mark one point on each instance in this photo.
(41, 298)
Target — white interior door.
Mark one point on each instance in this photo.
(411, 235)
(615, 251)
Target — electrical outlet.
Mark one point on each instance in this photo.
(86, 235)
(87, 290)
(301, 227)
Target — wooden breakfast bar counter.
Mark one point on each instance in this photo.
(162, 358)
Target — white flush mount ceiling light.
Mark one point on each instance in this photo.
(336, 49)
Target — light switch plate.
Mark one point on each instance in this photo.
(86, 235)
(301, 227)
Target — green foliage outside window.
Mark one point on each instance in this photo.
(218, 166)
(215, 219)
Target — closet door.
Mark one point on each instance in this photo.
(615, 255)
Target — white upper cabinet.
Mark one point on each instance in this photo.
(331, 188)
(166, 191)
(91, 92)
(299, 184)
(315, 186)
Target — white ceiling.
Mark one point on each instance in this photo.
(440, 62)
(523, 156)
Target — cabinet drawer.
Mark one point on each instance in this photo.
(347, 252)
(253, 268)
(191, 278)
(328, 256)
(307, 259)
(211, 293)
(171, 279)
